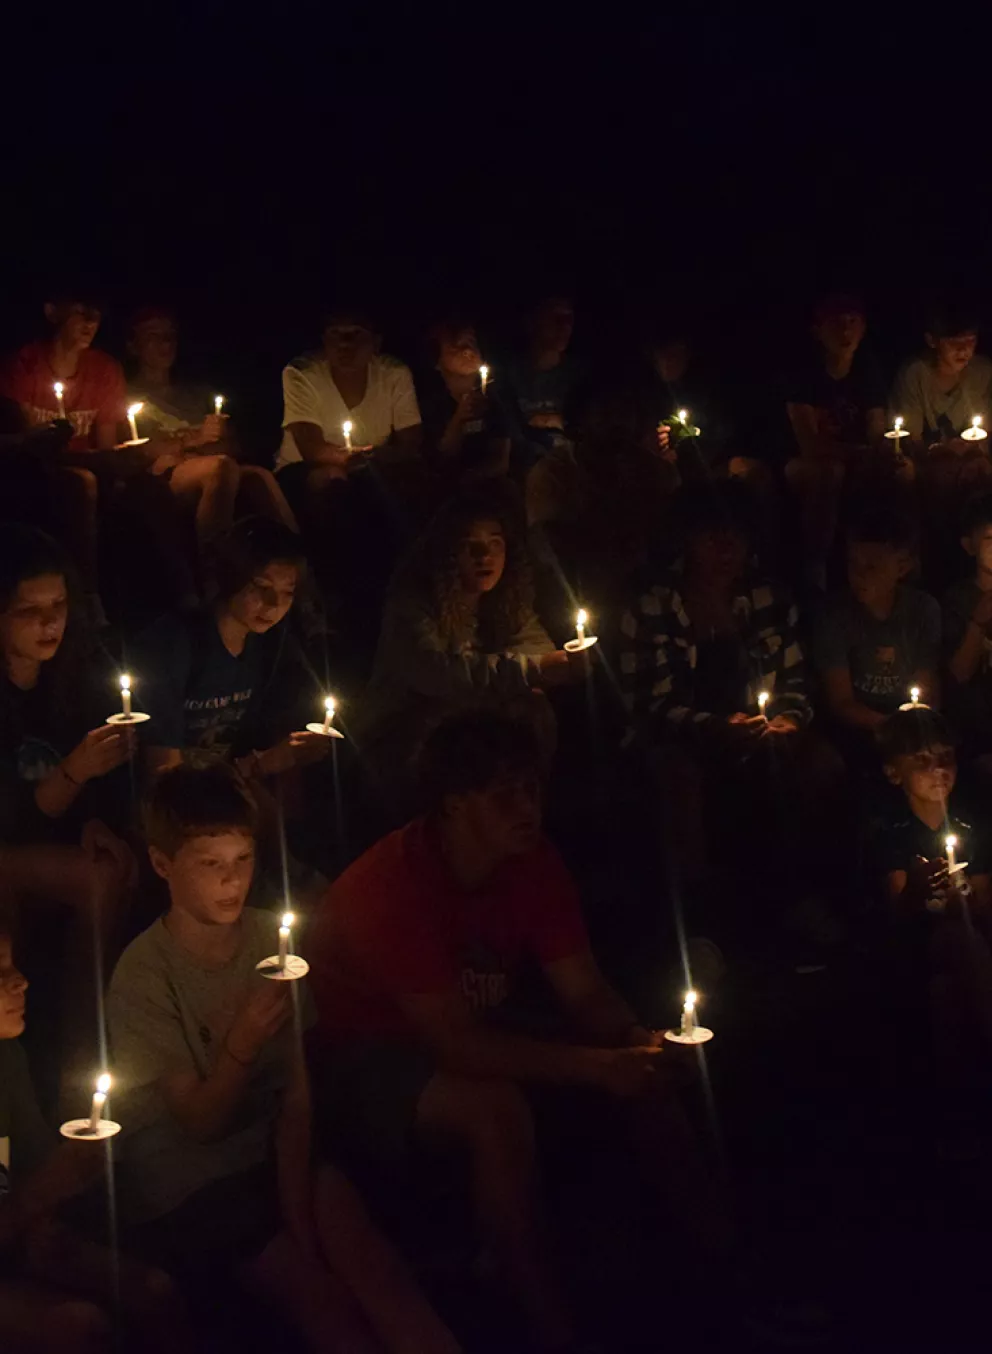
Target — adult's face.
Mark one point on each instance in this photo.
(154, 342)
(459, 353)
(75, 323)
(348, 346)
(552, 325)
(33, 624)
(481, 557)
(955, 352)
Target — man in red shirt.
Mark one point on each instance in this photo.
(413, 952)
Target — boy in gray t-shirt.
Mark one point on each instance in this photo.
(216, 1162)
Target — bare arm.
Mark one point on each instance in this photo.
(309, 439)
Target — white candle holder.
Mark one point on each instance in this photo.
(133, 442)
(332, 732)
(293, 969)
(135, 717)
(81, 1130)
(976, 433)
(700, 1035)
(580, 645)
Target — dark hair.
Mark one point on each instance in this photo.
(727, 505)
(75, 291)
(882, 526)
(908, 732)
(949, 319)
(149, 312)
(191, 801)
(251, 544)
(468, 751)
(838, 303)
(26, 553)
(358, 313)
(432, 566)
(977, 513)
(441, 332)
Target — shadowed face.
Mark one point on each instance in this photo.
(841, 332)
(459, 353)
(928, 776)
(349, 346)
(32, 627)
(75, 323)
(13, 986)
(154, 342)
(505, 816)
(874, 569)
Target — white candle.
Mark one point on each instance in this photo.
(580, 625)
(329, 708)
(346, 428)
(762, 701)
(132, 414)
(688, 1026)
(950, 843)
(59, 392)
(976, 432)
(897, 431)
(99, 1100)
(126, 693)
(286, 923)
(218, 404)
(914, 695)
(483, 377)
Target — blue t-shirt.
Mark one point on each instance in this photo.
(882, 656)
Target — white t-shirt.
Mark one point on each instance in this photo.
(310, 396)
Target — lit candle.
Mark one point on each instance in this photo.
(483, 377)
(914, 695)
(688, 1026)
(763, 699)
(132, 414)
(59, 392)
(99, 1100)
(329, 708)
(126, 693)
(580, 626)
(218, 404)
(897, 431)
(346, 428)
(976, 432)
(950, 843)
(286, 923)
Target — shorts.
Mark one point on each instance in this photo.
(226, 1223)
(365, 1098)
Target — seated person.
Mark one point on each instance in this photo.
(459, 629)
(938, 394)
(96, 470)
(58, 1291)
(198, 452)
(945, 920)
(414, 954)
(215, 1156)
(347, 381)
(835, 401)
(698, 645)
(60, 777)
(465, 427)
(967, 630)
(218, 682)
(878, 638)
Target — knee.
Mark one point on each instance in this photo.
(76, 1328)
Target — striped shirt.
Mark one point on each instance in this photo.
(658, 656)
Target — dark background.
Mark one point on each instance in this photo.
(246, 165)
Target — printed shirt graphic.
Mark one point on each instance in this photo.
(93, 396)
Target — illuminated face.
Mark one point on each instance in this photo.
(481, 557)
(13, 986)
(874, 569)
(928, 776)
(349, 346)
(267, 598)
(459, 355)
(954, 354)
(841, 333)
(210, 875)
(505, 817)
(76, 324)
(32, 627)
(154, 343)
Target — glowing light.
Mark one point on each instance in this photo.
(133, 410)
(126, 693)
(483, 377)
(683, 415)
(763, 699)
(914, 694)
(218, 403)
(287, 920)
(103, 1083)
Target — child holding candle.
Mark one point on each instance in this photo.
(216, 1163)
(465, 427)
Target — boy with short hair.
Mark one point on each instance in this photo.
(967, 623)
(939, 393)
(215, 1104)
(879, 638)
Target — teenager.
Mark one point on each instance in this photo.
(415, 952)
(465, 427)
(940, 392)
(216, 1171)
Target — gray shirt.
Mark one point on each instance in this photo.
(881, 656)
(933, 414)
(168, 1012)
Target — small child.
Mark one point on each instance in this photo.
(878, 638)
(56, 1288)
(216, 1171)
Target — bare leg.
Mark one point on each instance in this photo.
(492, 1122)
(209, 484)
(261, 493)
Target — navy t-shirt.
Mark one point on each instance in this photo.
(842, 405)
(903, 837)
(882, 656)
(437, 405)
(200, 696)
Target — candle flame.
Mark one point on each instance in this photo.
(976, 422)
(218, 403)
(125, 682)
(287, 921)
(329, 705)
(133, 409)
(103, 1083)
(763, 699)
(683, 415)
(950, 841)
(581, 616)
(484, 371)
(690, 1001)
(914, 694)
(346, 427)
(59, 388)
(898, 424)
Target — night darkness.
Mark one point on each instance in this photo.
(248, 165)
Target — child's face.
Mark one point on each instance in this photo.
(979, 545)
(13, 986)
(209, 876)
(267, 598)
(34, 622)
(927, 776)
(481, 557)
(874, 569)
(954, 353)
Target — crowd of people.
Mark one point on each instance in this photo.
(805, 649)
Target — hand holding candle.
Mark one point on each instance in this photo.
(284, 966)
